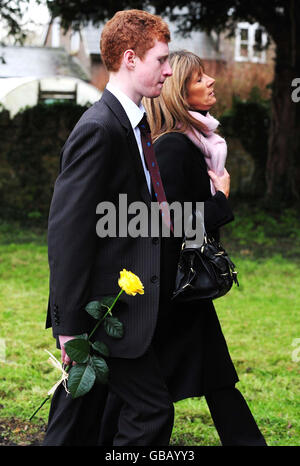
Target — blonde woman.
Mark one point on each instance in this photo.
(193, 353)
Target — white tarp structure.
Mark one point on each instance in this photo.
(18, 93)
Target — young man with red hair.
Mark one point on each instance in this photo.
(102, 158)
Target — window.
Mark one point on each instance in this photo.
(55, 33)
(75, 42)
(250, 39)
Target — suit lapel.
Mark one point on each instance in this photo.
(115, 106)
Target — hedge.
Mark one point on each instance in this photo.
(31, 143)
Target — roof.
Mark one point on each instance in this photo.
(91, 36)
(39, 62)
(199, 43)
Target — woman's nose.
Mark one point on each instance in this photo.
(210, 81)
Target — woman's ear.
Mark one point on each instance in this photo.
(129, 59)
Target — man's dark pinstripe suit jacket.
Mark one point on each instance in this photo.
(99, 161)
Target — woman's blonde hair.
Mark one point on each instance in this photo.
(170, 111)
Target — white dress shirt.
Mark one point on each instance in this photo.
(135, 114)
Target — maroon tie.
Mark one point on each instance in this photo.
(154, 171)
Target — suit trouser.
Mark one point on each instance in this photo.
(145, 414)
(229, 410)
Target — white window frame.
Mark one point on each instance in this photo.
(55, 33)
(250, 43)
(75, 42)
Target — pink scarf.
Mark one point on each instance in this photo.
(213, 147)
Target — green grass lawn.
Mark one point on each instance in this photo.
(260, 320)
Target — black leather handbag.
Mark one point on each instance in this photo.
(204, 272)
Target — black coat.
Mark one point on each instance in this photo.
(188, 339)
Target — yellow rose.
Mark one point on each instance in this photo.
(130, 283)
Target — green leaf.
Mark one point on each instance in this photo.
(78, 349)
(81, 379)
(101, 369)
(94, 309)
(101, 348)
(113, 327)
(107, 302)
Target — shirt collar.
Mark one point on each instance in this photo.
(135, 113)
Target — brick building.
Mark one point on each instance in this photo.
(234, 61)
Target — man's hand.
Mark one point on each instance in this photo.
(62, 340)
(221, 183)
